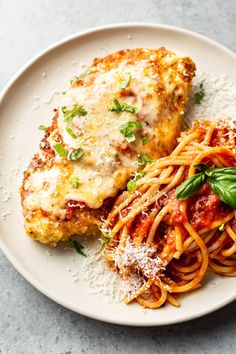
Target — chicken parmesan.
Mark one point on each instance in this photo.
(122, 113)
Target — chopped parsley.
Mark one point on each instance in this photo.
(83, 75)
(106, 239)
(74, 181)
(78, 247)
(222, 227)
(70, 132)
(198, 96)
(127, 130)
(76, 154)
(42, 127)
(126, 80)
(87, 72)
(62, 152)
(185, 122)
(75, 111)
(144, 140)
(143, 159)
(132, 182)
(70, 114)
(121, 107)
(73, 155)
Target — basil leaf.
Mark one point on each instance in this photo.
(76, 154)
(62, 152)
(222, 182)
(106, 240)
(185, 121)
(131, 184)
(87, 72)
(120, 107)
(144, 140)
(221, 227)
(42, 127)
(64, 110)
(74, 181)
(70, 114)
(78, 247)
(202, 167)
(222, 173)
(75, 111)
(71, 133)
(125, 81)
(190, 186)
(83, 75)
(198, 96)
(224, 191)
(127, 130)
(143, 159)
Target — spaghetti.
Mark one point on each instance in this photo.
(167, 243)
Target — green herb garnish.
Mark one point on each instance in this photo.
(70, 114)
(75, 111)
(76, 154)
(201, 167)
(221, 227)
(83, 75)
(132, 182)
(70, 132)
(62, 152)
(106, 239)
(74, 181)
(126, 80)
(190, 186)
(222, 182)
(78, 247)
(143, 159)
(73, 155)
(185, 121)
(127, 130)
(198, 96)
(163, 228)
(144, 140)
(42, 127)
(120, 107)
(87, 72)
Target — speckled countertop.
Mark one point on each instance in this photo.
(29, 322)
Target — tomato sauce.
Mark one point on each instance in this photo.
(205, 207)
(72, 205)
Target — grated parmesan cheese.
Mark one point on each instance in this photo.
(100, 279)
(219, 102)
(139, 259)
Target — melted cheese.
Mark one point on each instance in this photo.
(100, 173)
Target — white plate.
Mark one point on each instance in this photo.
(27, 102)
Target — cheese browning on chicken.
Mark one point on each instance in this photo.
(123, 112)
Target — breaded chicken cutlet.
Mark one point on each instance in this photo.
(119, 115)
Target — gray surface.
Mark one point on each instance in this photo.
(31, 323)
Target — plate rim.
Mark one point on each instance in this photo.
(24, 273)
